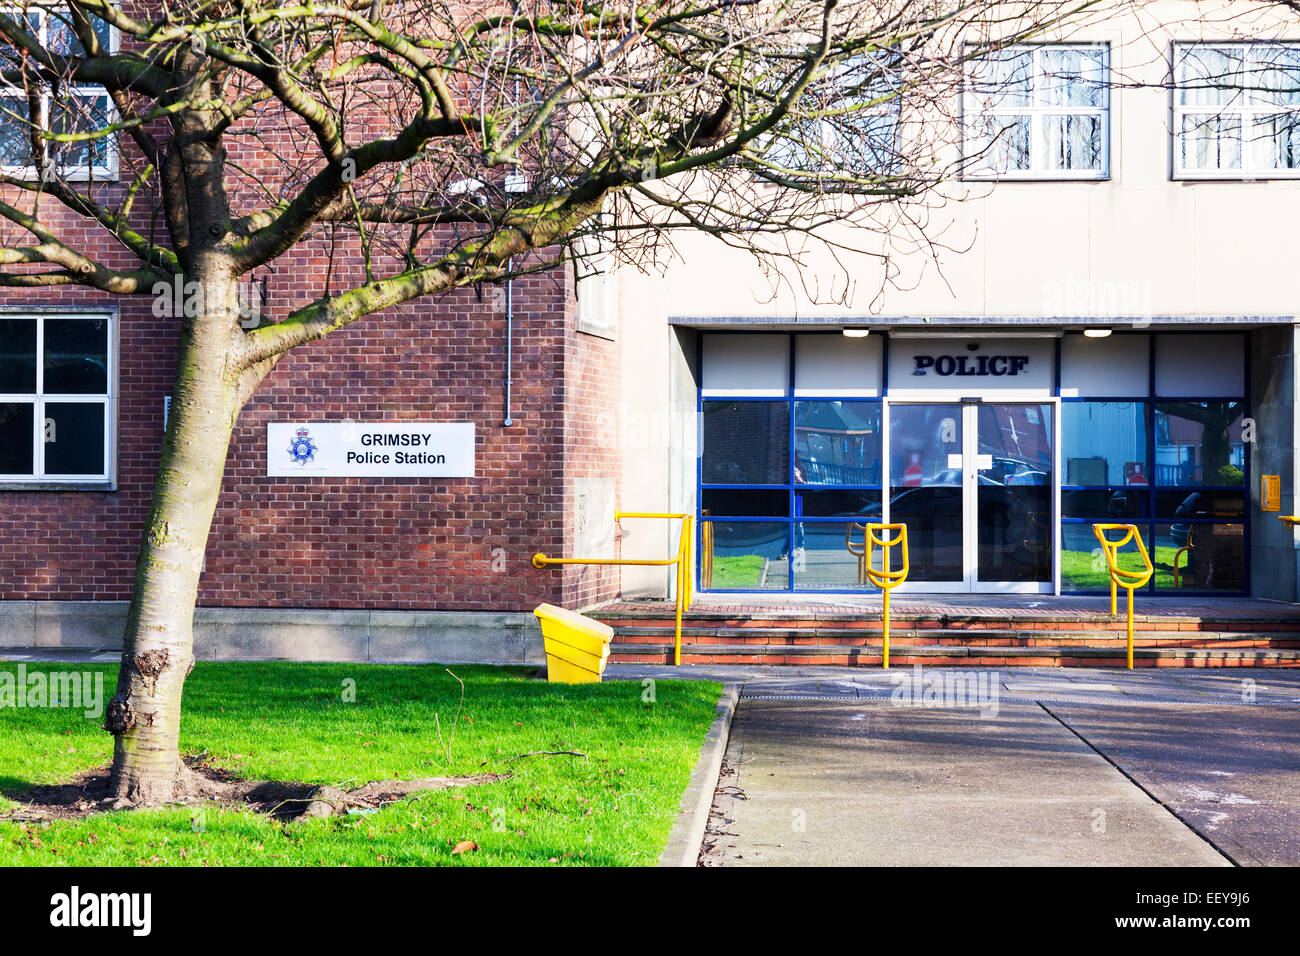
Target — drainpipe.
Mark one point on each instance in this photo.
(510, 321)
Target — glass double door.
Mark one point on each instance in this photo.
(974, 483)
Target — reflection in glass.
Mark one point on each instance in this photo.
(1200, 504)
(1083, 566)
(1199, 443)
(1104, 443)
(1014, 493)
(825, 561)
(748, 555)
(731, 503)
(836, 504)
(925, 493)
(1201, 557)
(17, 440)
(745, 443)
(76, 356)
(17, 355)
(74, 438)
(1106, 504)
(837, 443)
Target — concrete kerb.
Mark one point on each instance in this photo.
(687, 836)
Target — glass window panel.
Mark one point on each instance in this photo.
(10, 57)
(62, 39)
(1209, 75)
(730, 503)
(1199, 443)
(1276, 74)
(748, 555)
(17, 355)
(1072, 76)
(1108, 504)
(76, 356)
(74, 438)
(837, 443)
(823, 559)
(1200, 557)
(745, 443)
(837, 504)
(1083, 565)
(15, 135)
(17, 439)
(999, 143)
(1002, 80)
(1073, 142)
(1200, 504)
(80, 114)
(1275, 141)
(1104, 443)
(1210, 141)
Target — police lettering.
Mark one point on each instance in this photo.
(971, 364)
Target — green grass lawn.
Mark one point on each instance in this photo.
(738, 571)
(1079, 568)
(290, 722)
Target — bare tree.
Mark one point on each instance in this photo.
(426, 145)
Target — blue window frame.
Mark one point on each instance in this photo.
(781, 482)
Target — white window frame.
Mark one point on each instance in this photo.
(37, 479)
(974, 112)
(109, 171)
(596, 285)
(1249, 105)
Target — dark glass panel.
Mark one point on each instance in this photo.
(745, 443)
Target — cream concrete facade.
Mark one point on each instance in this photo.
(1138, 247)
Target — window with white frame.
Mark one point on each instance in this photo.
(56, 382)
(1038, 112)
(65, 107)
(1236, 110)
(596, 288)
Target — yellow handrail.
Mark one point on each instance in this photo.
(882, 577)
(1289, 520)
(682, 560)
(1129, 580)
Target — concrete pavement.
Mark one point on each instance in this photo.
(831, 766)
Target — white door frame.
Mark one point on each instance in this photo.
(969, 416)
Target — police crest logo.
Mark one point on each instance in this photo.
(302, 448)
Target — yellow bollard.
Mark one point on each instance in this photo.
(1129, 580)
(884, 578)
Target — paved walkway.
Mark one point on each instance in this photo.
(827, 766)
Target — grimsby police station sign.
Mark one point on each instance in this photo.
(370, 450)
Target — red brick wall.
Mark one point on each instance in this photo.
(345, 543)
(398, 543)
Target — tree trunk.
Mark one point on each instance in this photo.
(144, 716)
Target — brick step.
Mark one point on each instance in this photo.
(858, 637)
(936, 655)
(930, 622)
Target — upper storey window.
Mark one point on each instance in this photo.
(66, 108)
(1038, 112)
(1236, 110)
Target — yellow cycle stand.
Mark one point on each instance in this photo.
(882, 577)
(1129, 580)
